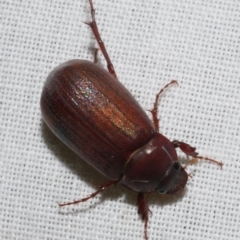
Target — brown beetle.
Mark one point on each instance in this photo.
(96, 116)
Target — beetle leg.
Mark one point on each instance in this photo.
(94, 27)
(95, 55)
(100, 189)
(143, 211)
(154, 111)
(190, 151)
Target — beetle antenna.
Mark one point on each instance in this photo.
(191, 151)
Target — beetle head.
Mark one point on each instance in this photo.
(174, 180)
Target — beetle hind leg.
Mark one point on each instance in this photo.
(94, 27)
(191, 151)
(95, 60)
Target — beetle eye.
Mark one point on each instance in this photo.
(162, 191)
(177, 166)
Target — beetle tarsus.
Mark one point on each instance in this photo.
(143, 211)
(210, 160)
(191, 151)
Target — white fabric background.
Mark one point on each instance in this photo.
(150, 43)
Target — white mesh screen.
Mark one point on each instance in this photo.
(150, 43)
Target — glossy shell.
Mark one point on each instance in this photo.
(94, 115)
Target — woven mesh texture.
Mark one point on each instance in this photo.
(150, 43)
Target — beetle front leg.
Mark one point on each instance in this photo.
(143, 211)
(154, 111)
(94, 27)
(190, 151)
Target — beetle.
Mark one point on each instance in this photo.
(89, 110)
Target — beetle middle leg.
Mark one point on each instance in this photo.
(154, 111)
(191, 151)
(100, 189)
(94, 27)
